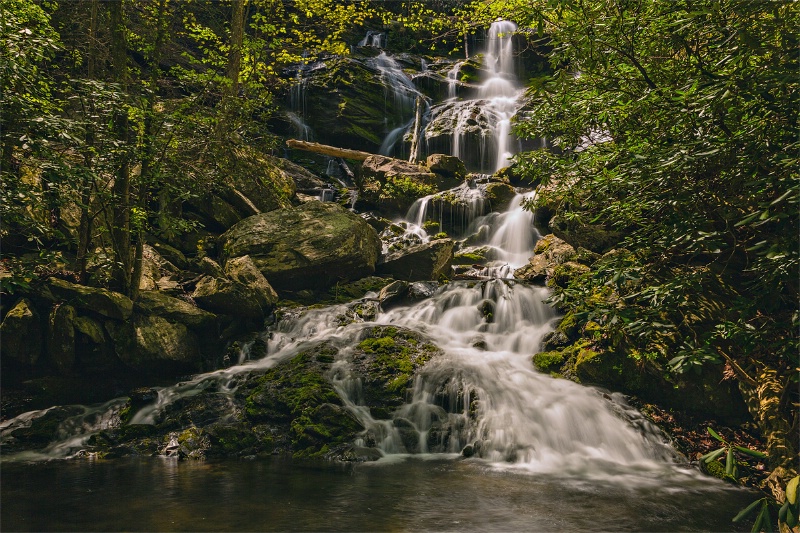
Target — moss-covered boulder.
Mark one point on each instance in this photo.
(174, 309)
(21, 332)
(499, 195)
(422, 262)
(298, 396)
(154, 345)
(95, 300)
(314, 245)
(387, 360)
(446, 165)
(548, 253)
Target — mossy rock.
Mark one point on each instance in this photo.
(549, 361)
(298, 396)
(388, 359)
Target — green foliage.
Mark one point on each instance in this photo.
(677, 129)
(729, 450)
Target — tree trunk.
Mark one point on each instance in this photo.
(764, 403)
(417, 131)
(235, 54)
(325, 149)
(121, 212)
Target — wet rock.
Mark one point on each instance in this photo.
(422, 262)
(314, 245)
(386, 361)
(21, 332)
(101, 301)
(564, 273)
(499, 196)
(393, 294)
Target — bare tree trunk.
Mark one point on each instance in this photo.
(85, 224)
(324, 149)
(417, 131)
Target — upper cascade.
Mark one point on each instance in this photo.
(478, 129)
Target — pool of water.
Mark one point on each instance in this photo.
(406, 494)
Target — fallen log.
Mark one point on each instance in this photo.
(324, 149)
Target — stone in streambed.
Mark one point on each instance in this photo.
(421, 262)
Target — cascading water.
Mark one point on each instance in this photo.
(487, 116)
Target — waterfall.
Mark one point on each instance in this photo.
(452, 80)
(480, 127)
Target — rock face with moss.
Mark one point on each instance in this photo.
(346, 104)
(291, 408)
(314, 245)
(254, 183)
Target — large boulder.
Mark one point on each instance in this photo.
(174, 309)
(314, 245)
(156, 346)
(421, 262)
(21, 333)
(101, 301)
(243, 292)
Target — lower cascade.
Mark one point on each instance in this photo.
(478, 395)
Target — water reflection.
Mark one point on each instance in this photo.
(407, 494)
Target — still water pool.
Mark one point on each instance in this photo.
(407, 494)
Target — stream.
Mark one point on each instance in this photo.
(155, 494)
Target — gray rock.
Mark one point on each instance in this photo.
(314, 245)
(428, 261)
(21, 333)
(101, 301)
(155, 303)
(393, 293)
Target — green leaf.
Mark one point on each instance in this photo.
(729, 462)
(759, 519)
(754, 453)
(747, 510)
(791, 489)
(711, 456)
(715, 435)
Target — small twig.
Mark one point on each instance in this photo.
(738, 370)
